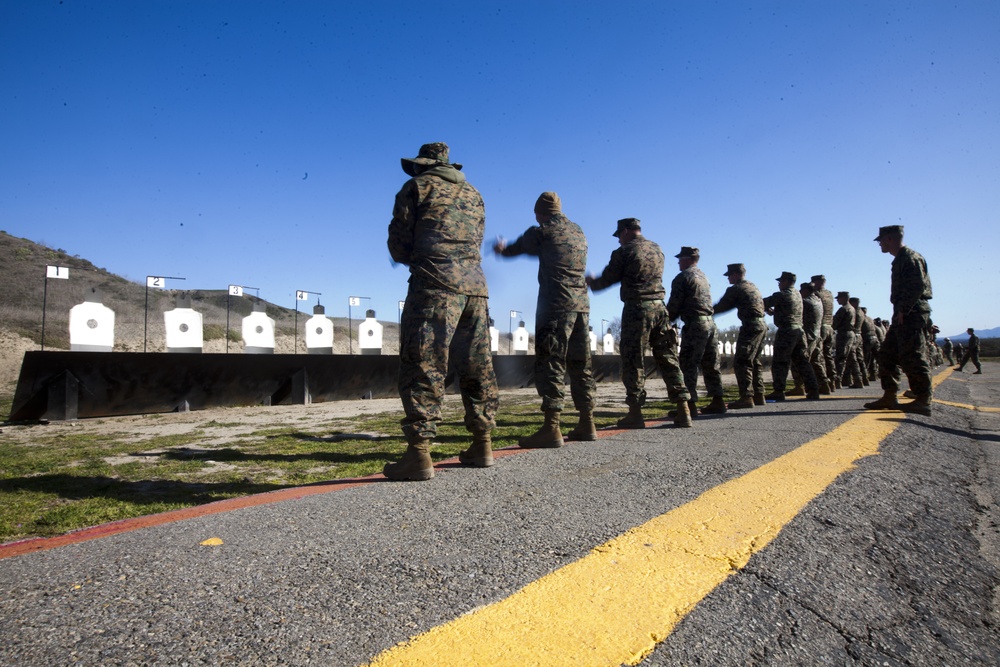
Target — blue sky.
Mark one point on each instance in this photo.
(259, 143)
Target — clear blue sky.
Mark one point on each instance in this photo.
(258, 143)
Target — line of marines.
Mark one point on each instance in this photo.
(437, 230)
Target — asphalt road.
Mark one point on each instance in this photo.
(896, 562)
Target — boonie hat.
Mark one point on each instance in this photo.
(687, 251)
(429, 155)
(785, 275)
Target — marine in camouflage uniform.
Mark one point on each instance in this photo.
(638, 266)
(972, 353)
(562, 316)
(946, 350)
(872, 344)
(691, 301)
(789, 340)
(744, 296)
(829, 341)
(812, 320)
(911, 319)
(843, 325)
(437, 229)
(858, 350)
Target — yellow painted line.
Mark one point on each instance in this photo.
(944, 375)
(977, 408)
(615, 604)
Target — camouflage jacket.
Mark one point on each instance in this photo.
(561, 249)
(867, 327)
(826, 298)
(690, 294)
(638, 266)
(745, 298)
(787, 306)
(437, 229)
(911, 285)
(973, 343)
(812, 316)
(843, 319)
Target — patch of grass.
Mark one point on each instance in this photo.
(67, 481)
(63, 482)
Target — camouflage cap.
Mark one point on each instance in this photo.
(627, 223)
(846, 295)
(889, 230)
(735, 269)
(818, 278)
(687, 251)
(854, 301)
(429, 156)
(786, 275)
(808, 287)
(970, 330)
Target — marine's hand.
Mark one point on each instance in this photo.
(500, 245)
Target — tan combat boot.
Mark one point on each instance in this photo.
(824, 388)
(633, 419)
(416, 464)
(480, 453)
(585, 430)
(716, 407)
(683, 416)
(742, 403)
(887, 402)
(547, 437)
(920, 405)
(797, 390)
(758, 399)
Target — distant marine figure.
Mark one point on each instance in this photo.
(972, 353)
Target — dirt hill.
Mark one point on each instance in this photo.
(22, 276)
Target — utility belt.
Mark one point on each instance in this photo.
(696, 318)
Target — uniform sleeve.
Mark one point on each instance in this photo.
(727, 302)
(612, 272)
(678, 292)
(914, 285)
(529, 243)
(403, 225)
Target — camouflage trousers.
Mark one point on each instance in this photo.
(562, 344)
(436, 324)
(814, 353)
(790, 349)
(904, 347)
(700, 350)
(847, 363)
(856, 360)
(973, 356)
(948, 357)
(747, 362)
(871, 357)
(829, 350)
(645, 323)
